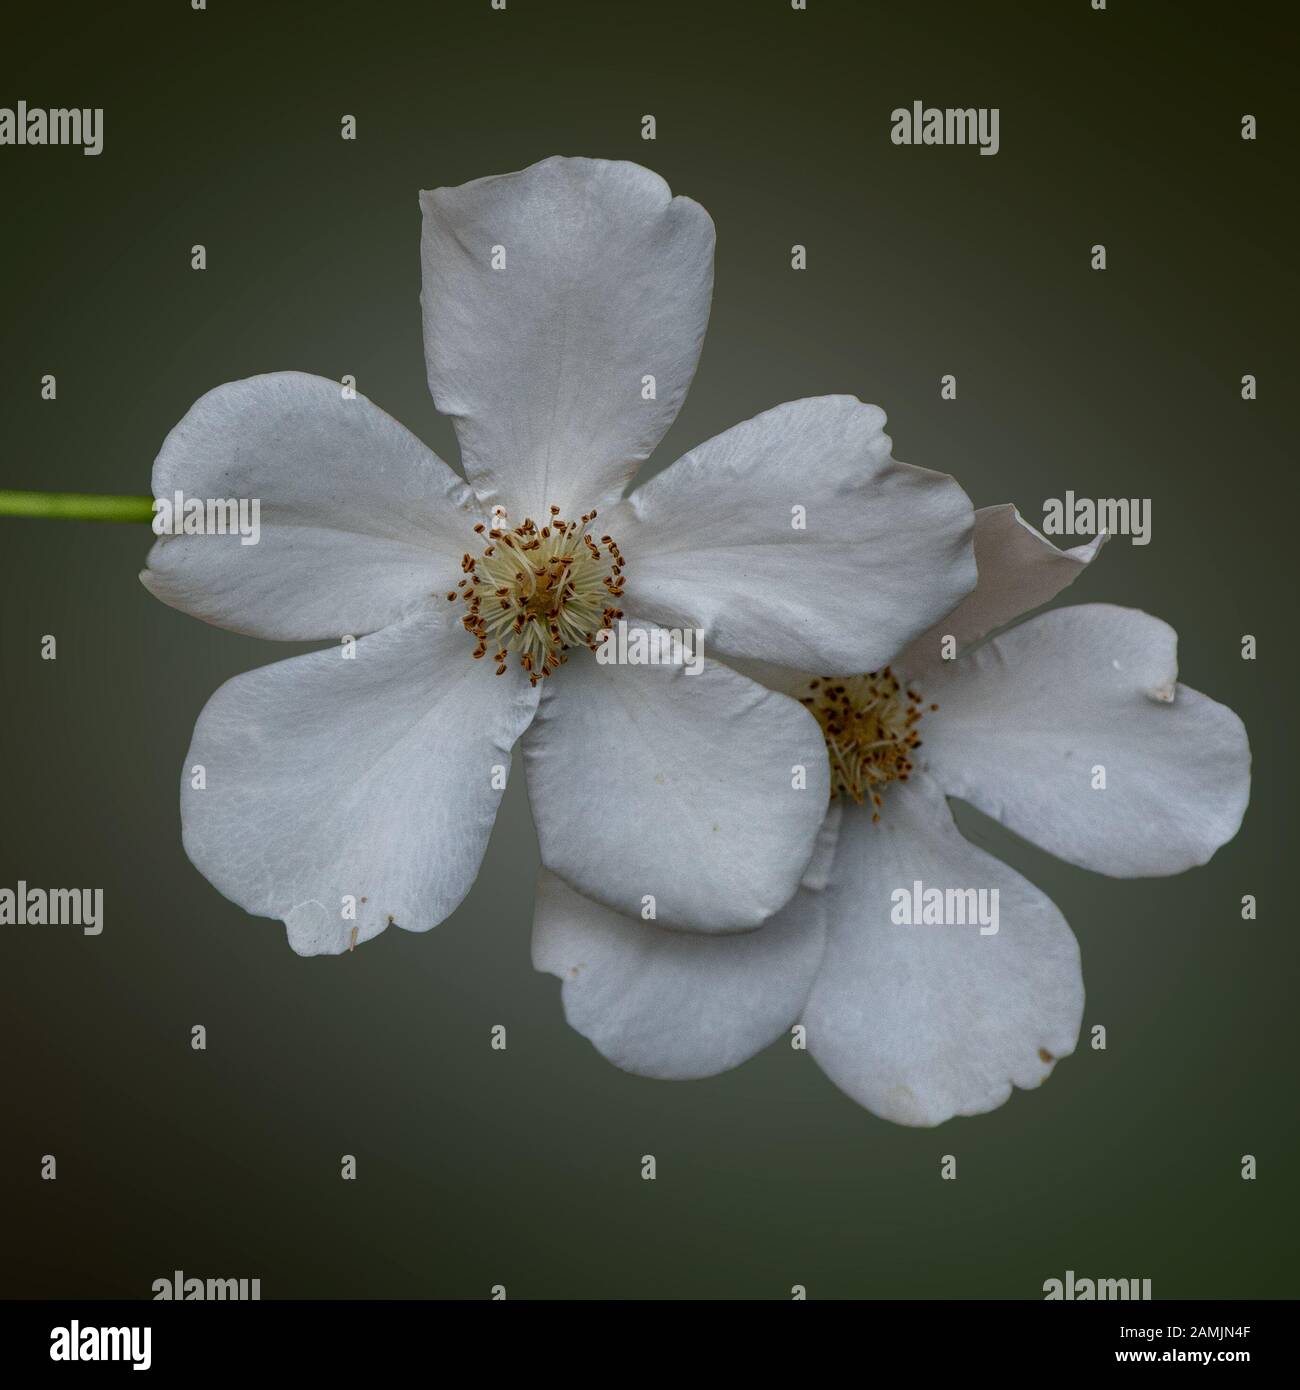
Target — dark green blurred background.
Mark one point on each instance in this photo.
(522, 1168)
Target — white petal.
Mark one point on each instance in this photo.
(921, 1023)
(606, 281)
(784, 679)
(1024, 720)
(1019, 570)
(712, 542)
(669, 1004)
(648, 781)
(368, 779)
(818, 872)
(358, 520)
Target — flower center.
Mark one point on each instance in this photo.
(869, 723)
(537, 591)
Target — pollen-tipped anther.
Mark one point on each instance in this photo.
(538, 591)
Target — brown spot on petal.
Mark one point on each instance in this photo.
(1045, 1056)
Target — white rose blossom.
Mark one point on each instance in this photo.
(343, 795)
(919, 1023)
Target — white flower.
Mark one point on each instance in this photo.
(345, 795)
(923, 1022)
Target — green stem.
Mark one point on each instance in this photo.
(76, 506)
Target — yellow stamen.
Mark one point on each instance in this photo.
(548, 589)
(869, 723)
